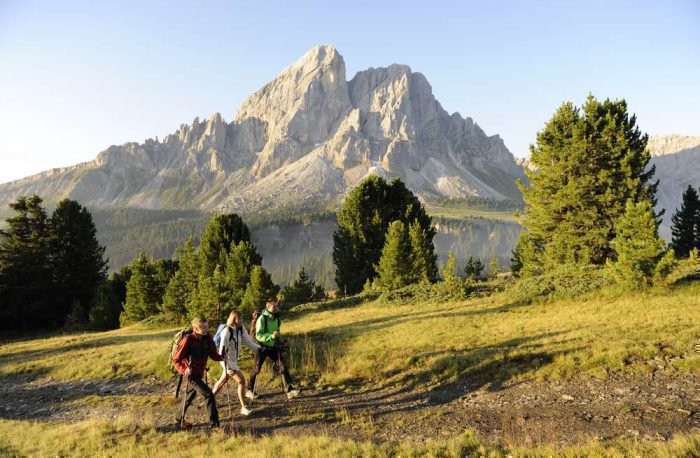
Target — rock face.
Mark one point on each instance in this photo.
(677, 161)
(300, 142)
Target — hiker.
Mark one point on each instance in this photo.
(267, 334)
(190, 360)
(232, 336)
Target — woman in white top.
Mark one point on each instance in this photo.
(233, 335)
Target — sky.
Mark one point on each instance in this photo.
(79, 76)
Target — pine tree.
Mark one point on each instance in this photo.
(473, 268)
(212, 298)
(224, 231)
(106, 307)
(143, 291)
(260, 288)
(25, 271)
(395, 269)
(587, 163)
(300, 291)
(641, 255)
(179, 291)
(77, 259)
(685, 227)
(363, 222)
(494, 267)
(239, 265)
(423, 257)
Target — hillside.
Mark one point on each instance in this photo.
(610, 373)
(298, 144)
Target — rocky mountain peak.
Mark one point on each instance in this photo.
(301, 141)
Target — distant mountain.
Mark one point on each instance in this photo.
(677, 161)
(298, 144)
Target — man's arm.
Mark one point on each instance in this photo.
(213, 354)
(248, 341)
(180, 358)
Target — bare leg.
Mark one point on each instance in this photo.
(238, 377)
(221, 382)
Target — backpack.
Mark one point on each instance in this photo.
(217, 336)
(179, 335)
(257, 314)
(251, 329)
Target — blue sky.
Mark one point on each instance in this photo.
(78, 76)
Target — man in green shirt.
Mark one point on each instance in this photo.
(267, 334)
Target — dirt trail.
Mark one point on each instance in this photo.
(648, 407)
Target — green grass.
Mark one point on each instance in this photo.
(488, 340)
(451, 212)
(128, 437)
(491, 340)
(135, 351)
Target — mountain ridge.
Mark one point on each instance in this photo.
(300, 142)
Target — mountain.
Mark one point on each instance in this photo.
(297, 144)
(677, 161)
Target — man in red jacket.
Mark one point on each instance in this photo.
(190, 360)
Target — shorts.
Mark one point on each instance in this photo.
(231, 366)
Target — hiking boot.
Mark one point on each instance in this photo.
(292, 394)
(215, 427)
(245, 411)
(184, 425)
(250, 395)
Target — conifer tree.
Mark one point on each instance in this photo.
(25, 270)
(212, 298)
(224, 231)
(640, 255)
(587, 163)
(106, 308)
(239, 265)
(300, 291)
(363, 222)
(77, 259)
(143, 291)
(423, 257)
(260, 288)
(494, 267)
(473, 267)
(183, 284)
(395, 269)
(685, 224)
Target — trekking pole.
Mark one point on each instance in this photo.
(184, 397)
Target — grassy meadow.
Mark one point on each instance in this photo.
(358, 342)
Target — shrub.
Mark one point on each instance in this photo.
(564, 282)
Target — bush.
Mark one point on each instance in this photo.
(686, 270)
(564, 282)
(427, 292)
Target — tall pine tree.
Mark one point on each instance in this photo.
(260, 288)
(685, 224)
(26, 296)
(640, 255)
(395, 268)
(143, 291)
(224, 231)
(587, 163)
(363, 222)
(182, 285)
(77, 259)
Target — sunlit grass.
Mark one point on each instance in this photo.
(126, 437)
(488, 340)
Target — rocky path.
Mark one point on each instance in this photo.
(646, 407)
